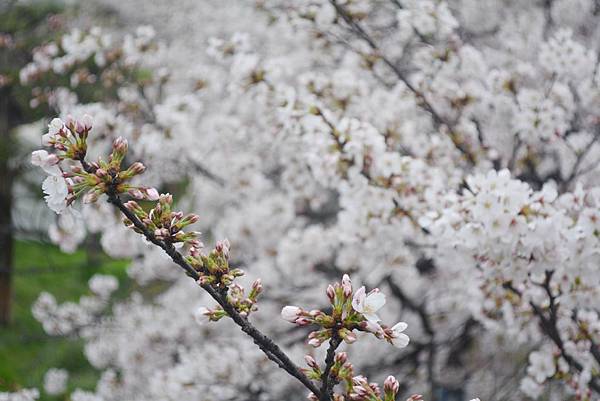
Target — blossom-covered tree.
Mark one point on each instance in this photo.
(444, 152)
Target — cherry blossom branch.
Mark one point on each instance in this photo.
(266, 344)
(425, 322)
(548, 326)
(422, 101)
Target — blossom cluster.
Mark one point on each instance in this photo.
(443, 151)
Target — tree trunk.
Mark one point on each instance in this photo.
(6, 231)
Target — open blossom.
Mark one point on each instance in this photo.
(56, 190)
(55, 126)
(397, 337)
(368, 304)
(48, 162)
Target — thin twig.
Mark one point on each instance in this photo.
(548, 326)
(422, 101)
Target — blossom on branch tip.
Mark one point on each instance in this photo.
(368, 304)
(396, 336)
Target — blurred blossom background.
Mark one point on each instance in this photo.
(444, 151)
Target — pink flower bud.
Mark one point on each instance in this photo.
(315, 342)
(136, 193)
(87, 122)
(151, 194)
(330, 292)
(131, 205)
(137, 168)
(311, 362)
(348, 336)
(291, 313)
(341, 358)
(79, 128)
(347, 285)
(391, 386)
(302, 321)
(120, 145)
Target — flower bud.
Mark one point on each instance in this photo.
(120, 145)
(330, 293)
(87, 122)
(341, 358)
(151, 194)
(137, 168)
(291, 313)
(311, 362)
(390, 388)
(348, 336)
(79, 128)
(347, 285)
(136, 193)
(257, 286)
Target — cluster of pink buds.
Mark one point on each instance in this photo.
(68, 181)
(68, 138)
(164, 223)
(105, 176)
(349, 311)
(242, 303)
(213, 267)
(341, 370)
(362, 390)
(357, 388)
(214, 270)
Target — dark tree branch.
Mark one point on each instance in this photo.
(548, 326)
(266, 344)
(327, 380)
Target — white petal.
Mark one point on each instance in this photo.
(371, 317)
(375, 301)
(400, 341)
(358, 301)
(399, 327)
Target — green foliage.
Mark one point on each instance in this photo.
(26, 352)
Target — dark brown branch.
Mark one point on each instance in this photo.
(412, 305)
(548, 326)
(271, 350)
(327, 380)
(427, 327)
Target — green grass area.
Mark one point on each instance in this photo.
(26, 352)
